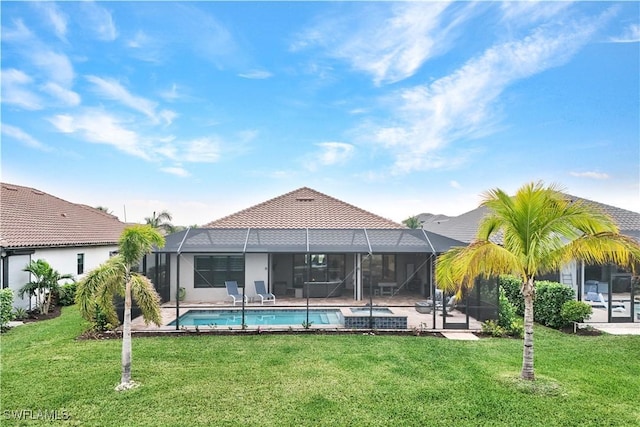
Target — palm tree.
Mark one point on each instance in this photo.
(45, 279)
(541, 230)
(114, 277)
(162, 221)
(412, 222)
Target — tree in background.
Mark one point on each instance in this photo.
(45, 283)
(161, 221)
(541, 230)
(412, 222)
(115, 278)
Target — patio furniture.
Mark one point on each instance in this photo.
(232, 291)
(424, 307)
(261, 292)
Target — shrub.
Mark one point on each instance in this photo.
(508, 321)
(549, 299)
(6, 307)
(511, 286)
(99, 321)
(492, 328)
(67, 294)
(20, 313)
(575, 311)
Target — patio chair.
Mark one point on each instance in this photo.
(261, 292)
(232, 291)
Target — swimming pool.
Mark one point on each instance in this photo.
(271, 317)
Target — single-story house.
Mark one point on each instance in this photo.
(595, 284)
(301, 244)
(72, 238)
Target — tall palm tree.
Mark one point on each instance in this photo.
(541, 230)
(412, 222)
(115, 277)
(45, 279)
(161, 221)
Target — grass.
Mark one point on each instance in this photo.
(326, 380)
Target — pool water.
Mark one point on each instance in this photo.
(270, 317)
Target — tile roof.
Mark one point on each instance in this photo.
(464, 227)
(30, 218)
(303, 208)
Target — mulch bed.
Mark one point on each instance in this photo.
(35, 316)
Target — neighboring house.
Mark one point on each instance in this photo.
(303, 236)
(588, 281)
(72, 238)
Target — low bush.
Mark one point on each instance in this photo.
(575, 311)
(67, 294)
(549, 299)
(20, 313)
(511, 286)
(100, 322)
(6, 307)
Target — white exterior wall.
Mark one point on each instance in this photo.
(256, 268)
(64, 260)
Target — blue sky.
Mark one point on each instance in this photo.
(206, 108)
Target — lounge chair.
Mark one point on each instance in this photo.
(232, 291)
(261, 292)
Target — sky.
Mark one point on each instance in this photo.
(207, 108)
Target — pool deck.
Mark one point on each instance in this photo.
(400, 306)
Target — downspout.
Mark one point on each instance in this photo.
(244, 259)
(178, 279)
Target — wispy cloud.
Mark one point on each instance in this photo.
(464, 105)
(67, 97)
(99, 127)
(177, 171)
(455, 184)
(328, 154)
(99, 20)
(55, 18)
(113, 90)
(517, 13)
(590, 175)
(256, 74)
(631, 34)
(26, 139)
(15, 90)
(390, 43)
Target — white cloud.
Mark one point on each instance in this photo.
(101, 128)
(171, 94)
(99, 20)
(112, 89)
(328, 154)
(177, 171)
(57, 65)
(19, 33)
(256, 74)
(464, 104)
(390, 45)
(203, 150)
(54, 16)
(66, 96)
(455, 184)
(590, 175)
(20, 135)
(631, 34)
(530, 12)
(15, 90)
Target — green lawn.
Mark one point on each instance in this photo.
(292, 380)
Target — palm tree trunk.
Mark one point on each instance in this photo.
(126, 337)
(527, 353)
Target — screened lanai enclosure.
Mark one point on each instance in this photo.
(333, 278)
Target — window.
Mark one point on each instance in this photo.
(212, 271)
(80, 263)
(317, 268)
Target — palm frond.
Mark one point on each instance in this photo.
(138, 240)
(457, 269)
(108, 277)
(145, 295)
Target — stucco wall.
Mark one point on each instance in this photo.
(64, 260)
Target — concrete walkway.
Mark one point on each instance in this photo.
(615, 328)
(460, 336)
